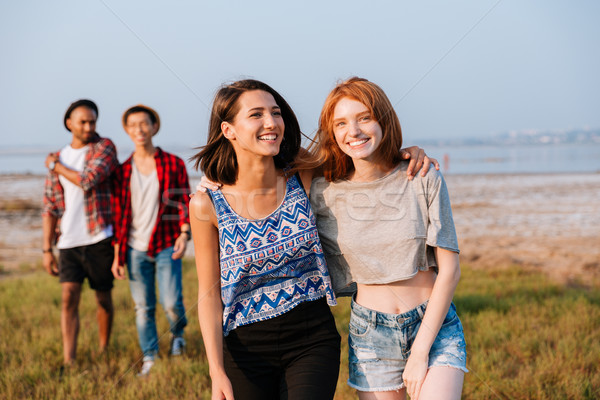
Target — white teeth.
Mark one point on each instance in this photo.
(268, 137)
(357, 143)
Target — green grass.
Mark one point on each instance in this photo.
(527, 338)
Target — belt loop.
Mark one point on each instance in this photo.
(422, 309)
(373, 318)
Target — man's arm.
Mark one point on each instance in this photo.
(184, 217)
(52, 210)
(117, 269)
(95, 171)
(48, 230)
(100, 166)
(71, 175)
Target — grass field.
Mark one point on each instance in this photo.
(527, 338)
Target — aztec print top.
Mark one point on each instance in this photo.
(270, 265)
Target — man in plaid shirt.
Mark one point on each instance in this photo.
(151, 197)
(77, 212)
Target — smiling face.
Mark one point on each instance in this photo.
(140, 128)
(356, 132)
(258, 125)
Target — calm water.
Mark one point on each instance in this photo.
(518, 159)
(461, 159)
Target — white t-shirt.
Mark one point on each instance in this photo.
(144, 207)
(73, 225)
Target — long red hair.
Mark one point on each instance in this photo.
(335, 163)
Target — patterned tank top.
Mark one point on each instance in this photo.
(270, 265)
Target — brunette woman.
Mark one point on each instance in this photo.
(264, 288)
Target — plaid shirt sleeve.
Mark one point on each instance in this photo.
(100, 162)
(174, 201)
(121, 206)
(117, 198)
(184, 183)
(100, 165)
(54, 202)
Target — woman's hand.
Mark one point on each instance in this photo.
(414, 374)
(206, 183)
(418, 161)
(221, 388)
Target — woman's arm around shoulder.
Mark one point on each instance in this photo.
(210, 308)
(419, 161)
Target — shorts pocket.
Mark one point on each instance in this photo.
(451, 316)
(358, 326)
(410, 333)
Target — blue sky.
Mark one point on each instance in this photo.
(452, 69)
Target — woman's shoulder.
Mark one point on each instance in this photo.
(201, 205)
(306, 177)
(319, 185)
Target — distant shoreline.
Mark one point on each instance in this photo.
(454, 160)
(544, 221)
(16, 175)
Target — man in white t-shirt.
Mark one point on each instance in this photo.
(152, 227)
(77, 217)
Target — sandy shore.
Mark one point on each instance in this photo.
(546, 222)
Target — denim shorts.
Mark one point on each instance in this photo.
(379, 346)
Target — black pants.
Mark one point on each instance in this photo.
(290, 357)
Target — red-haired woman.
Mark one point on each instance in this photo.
(395, 238)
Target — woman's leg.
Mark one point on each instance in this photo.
(447, 361)
(399, 394)
(311, 353)
(442, 383)
(250, 358)
(313, 375)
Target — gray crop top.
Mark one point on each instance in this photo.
(382, 231)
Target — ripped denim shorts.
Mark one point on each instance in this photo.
(379, 346)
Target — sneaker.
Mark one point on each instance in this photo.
(177, 346)
(146, 366)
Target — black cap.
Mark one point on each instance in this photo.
(83, 102)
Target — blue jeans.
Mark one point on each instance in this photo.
(143, 271)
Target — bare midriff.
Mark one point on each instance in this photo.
(397, 297)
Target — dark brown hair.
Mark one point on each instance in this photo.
(335, 163)
(217, 159)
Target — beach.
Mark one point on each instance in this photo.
(547, 222)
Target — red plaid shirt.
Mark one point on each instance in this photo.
(174, 190)
(100, 161)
